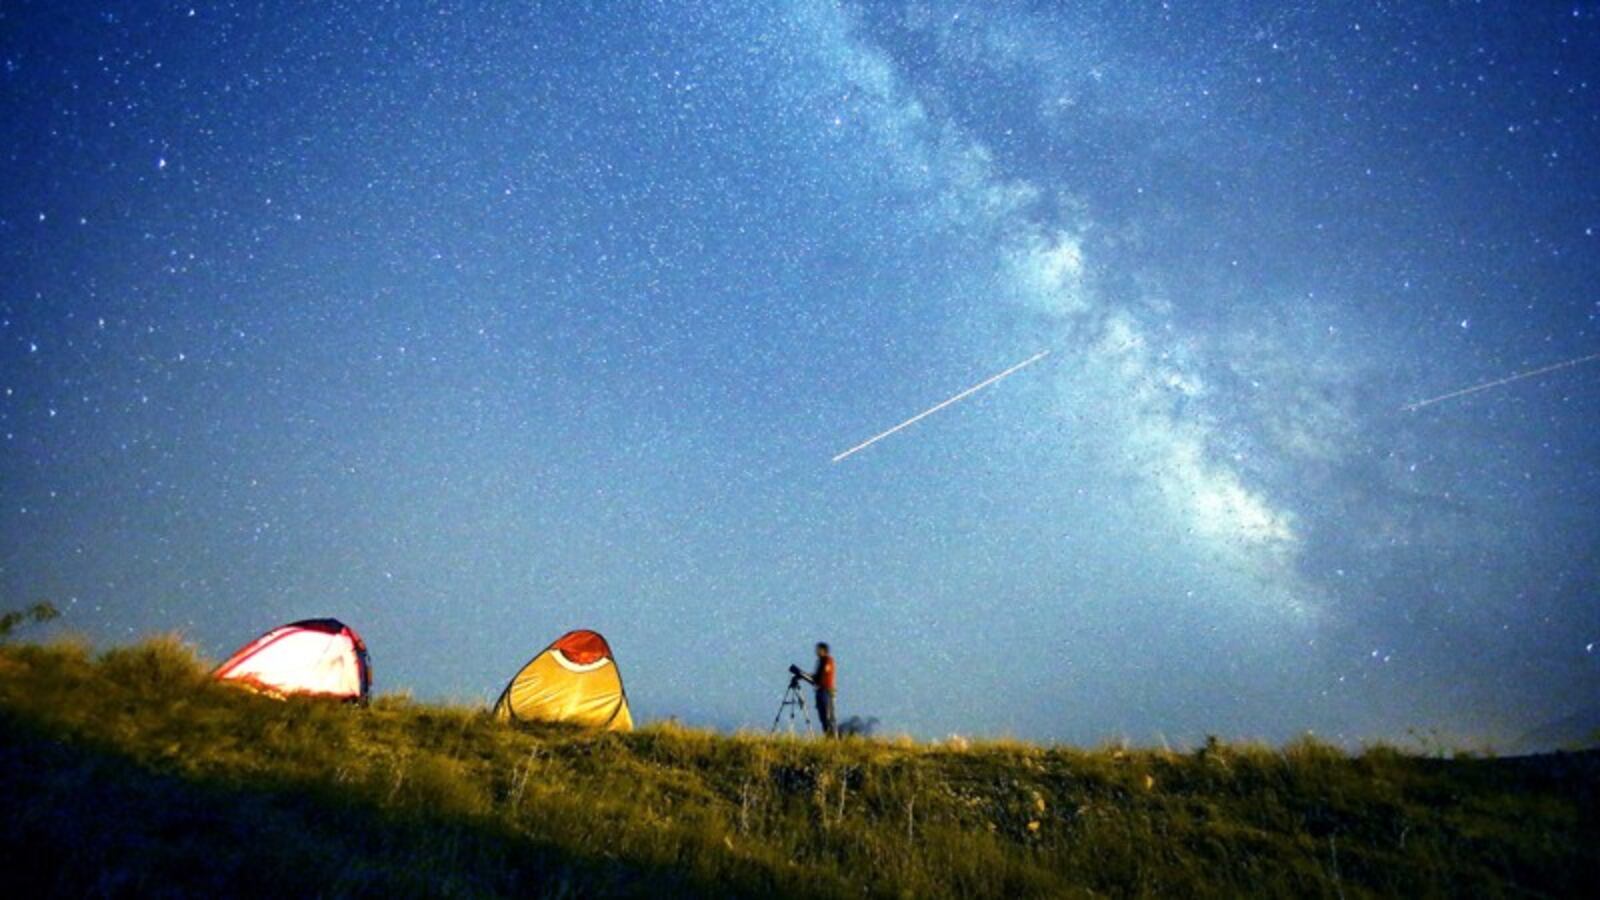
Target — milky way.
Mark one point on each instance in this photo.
(471, 324)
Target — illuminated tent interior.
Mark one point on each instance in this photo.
(322, 657)
(573, 680)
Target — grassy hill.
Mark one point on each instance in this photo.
(129, 773)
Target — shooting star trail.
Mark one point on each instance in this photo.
(1413, 407)
(941, 405)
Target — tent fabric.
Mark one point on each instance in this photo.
(573, 680)
(322, 657)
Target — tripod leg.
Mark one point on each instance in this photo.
(779, 717)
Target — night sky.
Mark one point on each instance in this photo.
(470, 324)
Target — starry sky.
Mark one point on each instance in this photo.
(472, 323)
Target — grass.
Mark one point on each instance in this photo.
(130, 773)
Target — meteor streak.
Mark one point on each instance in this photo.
(941, 405)
(1413, 407)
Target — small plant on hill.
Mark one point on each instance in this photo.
(37, 613)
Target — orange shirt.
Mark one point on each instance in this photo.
(824, 673)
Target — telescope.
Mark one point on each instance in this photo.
(794, 702)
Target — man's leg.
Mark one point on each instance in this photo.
(825, 711)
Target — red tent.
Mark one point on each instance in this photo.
(324, 657)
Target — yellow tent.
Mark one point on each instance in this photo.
(574, 680)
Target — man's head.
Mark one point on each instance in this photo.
(822, 648)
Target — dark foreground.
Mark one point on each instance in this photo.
(130, 775)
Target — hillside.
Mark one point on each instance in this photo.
(1575, 731)
(129, 773)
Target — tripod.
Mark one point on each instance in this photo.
(793, 700)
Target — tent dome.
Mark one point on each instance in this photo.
(574, 680)
(323, 657)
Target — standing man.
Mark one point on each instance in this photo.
(823, 679)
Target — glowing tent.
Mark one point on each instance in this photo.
(324, 657)
(575, 680)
